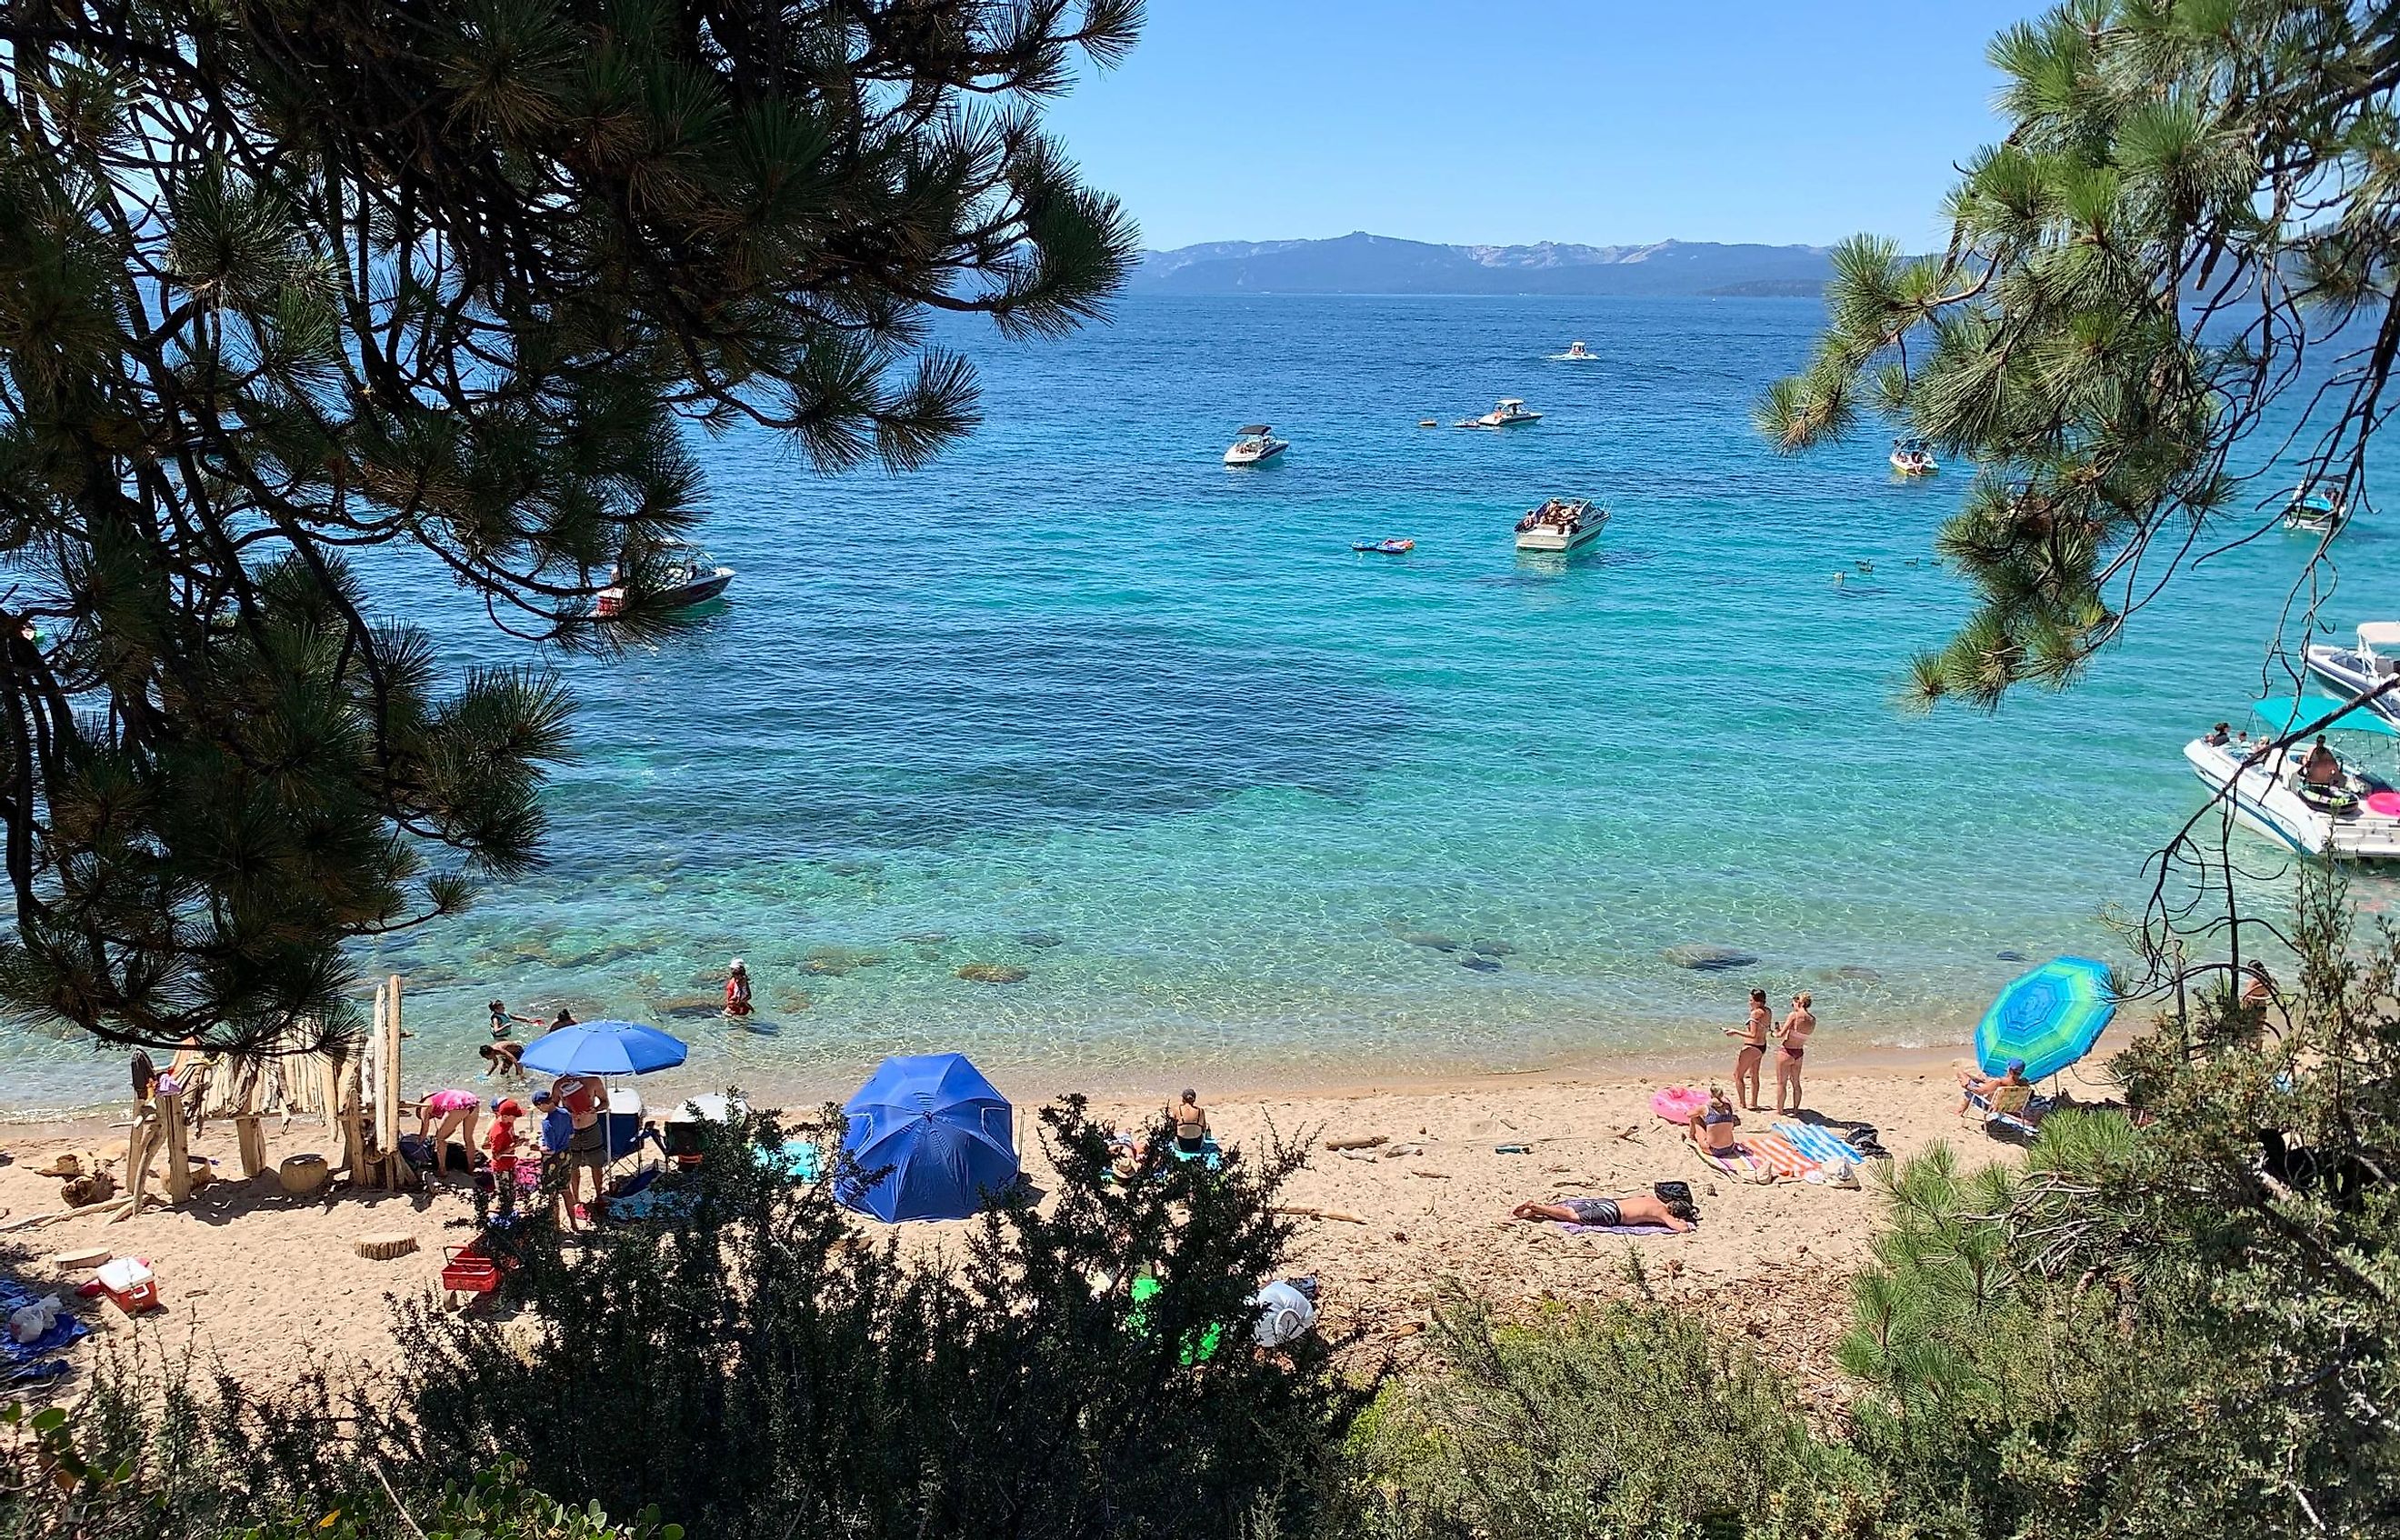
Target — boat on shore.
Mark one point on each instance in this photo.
(1911, 457)
(2366, 664)
(1255, 445)
(687, 576)
(1576, 353)
(1560, 523)
(2334, 809)
(1508, 413)
(2313, 511)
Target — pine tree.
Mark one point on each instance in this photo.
(2189, 224)
(282, 279)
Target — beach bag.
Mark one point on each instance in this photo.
(1673, 1191)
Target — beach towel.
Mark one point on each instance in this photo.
(1750, 1167)
(1781, 1155)
(1616, 1229)
(1817, 1142)
(24, 1362)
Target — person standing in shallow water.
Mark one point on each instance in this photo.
(737, 990)
(1753, 1036)
(1794, 1037)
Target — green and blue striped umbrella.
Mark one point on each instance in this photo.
(2048, 1017)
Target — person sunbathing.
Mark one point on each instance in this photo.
(1609, 1213)
(1713, 1133)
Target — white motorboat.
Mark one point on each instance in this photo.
(2314, 513)
(1576, 353)
(1508, 413)
(1257, 444)
(1560, 523)
(2334, 809)
(2366, 666)
(687, 576)
(1911, 458)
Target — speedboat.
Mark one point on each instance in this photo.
(1509, 413)
(1257, 444)
(1911, 458)
(1576, 353)
(1386, 547)
(1560, 523)
(2342, 812)
(2314, 513)
(2368, 665)
(687, 576)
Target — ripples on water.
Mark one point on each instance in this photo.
(1082, 701)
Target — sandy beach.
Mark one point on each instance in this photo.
(264, 1280)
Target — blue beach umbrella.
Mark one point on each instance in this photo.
(604, 1048)
(2048, 1017)
(939, 1133)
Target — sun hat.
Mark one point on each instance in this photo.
(737, 965)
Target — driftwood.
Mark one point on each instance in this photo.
(1357, 1141)
(1420, 1171)
(1310, 1212)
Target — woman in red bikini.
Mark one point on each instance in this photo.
(1794, 1035)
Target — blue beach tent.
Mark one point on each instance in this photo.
(945, 1135)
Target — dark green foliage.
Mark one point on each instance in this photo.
(1606, 1423)
(280, 277)
(2193, 198)
(758, 1367)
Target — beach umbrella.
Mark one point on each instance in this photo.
(938, 1131)
(2048, 1017)
(602, 1048)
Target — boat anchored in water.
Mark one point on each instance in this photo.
(687, 576)
(1508, 413)
(2307, 796)
(2367, 664)
(2313, 511)
(1257, 443)
(1560, 523)
(1911, 457)
(1576, 353)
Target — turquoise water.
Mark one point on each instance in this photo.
(1084, 701)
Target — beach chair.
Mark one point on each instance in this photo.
(2014, 1107)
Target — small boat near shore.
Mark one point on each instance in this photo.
(2330, 807)
(1560, 523)
(1508, 413)
(1255, 445)
(688, 575)
(1576, 353)
(2312, 512)
(1386, 548)
(1911, 457)
(2366, 664)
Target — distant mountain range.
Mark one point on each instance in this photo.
(1362, 264)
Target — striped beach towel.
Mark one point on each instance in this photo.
(1779, 1153)
(1816, 1142)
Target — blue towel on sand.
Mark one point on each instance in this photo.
(1616, 1228)
(1819, 1143)
(26, 1361)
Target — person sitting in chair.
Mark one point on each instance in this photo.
(2007, 1094)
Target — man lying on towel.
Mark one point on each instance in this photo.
(1611, 1213)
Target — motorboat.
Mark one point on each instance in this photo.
(1255, 445)
(2312, 512)
(1911, 457)
(1508, 413)
(1386, 547)
(2341, 811)
(1560, 523)
(687, 576)
(2367, 664)
(1576, 353)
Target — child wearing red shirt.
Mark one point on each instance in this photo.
(501, 1142)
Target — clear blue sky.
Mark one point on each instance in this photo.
(1585, 120)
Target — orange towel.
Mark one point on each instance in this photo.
(1781, 1154)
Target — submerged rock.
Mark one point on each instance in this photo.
(1491, 948)
(926, 939)
(993, 973)
(1850, 973)
(1704, 957)
(1428, 938)
(1480, 964)
(1043, 940)
(785, 998)
(837, 961)
(2012, 954)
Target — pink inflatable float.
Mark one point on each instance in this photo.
(1677, 1103)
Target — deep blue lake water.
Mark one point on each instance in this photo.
(1082, 701)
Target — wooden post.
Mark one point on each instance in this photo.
(138, 1141)
(178, 1150)
(387, 1093)
(250, 1140)
(328, 1082)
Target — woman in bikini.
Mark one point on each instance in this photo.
(1714, 1131)
(1190, 1122)
(1794, 1035)
(1754, 1051)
